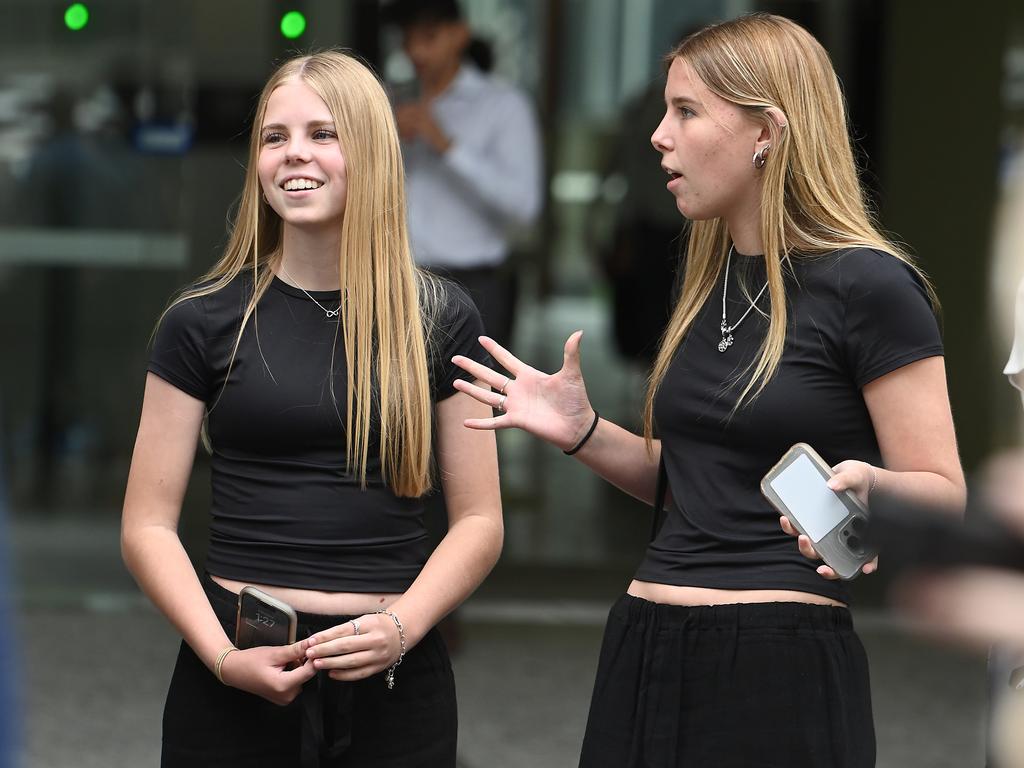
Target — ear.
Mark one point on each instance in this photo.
(772, 128)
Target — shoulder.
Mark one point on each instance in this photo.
(860, 273)
(499, 94)
(446, 305)
(212, 303)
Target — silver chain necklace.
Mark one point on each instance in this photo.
(727, 329)
(329, 312)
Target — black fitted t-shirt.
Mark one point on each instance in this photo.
(285, 511)
(853, 315)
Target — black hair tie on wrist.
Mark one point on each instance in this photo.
(586, 437)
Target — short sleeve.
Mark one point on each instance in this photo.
(457, 332)
(179, 349)
(889, 320)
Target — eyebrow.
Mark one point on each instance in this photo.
(310, 124)
(678, 101)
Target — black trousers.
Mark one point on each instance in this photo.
(773, 685)
(331, 724)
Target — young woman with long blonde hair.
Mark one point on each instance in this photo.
(797, 321)
(314, 358)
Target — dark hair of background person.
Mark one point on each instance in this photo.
(409, 13)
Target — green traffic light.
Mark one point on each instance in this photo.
(293, 24)
(76, 16)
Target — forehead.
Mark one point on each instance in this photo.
(294, 100)
(682, 83)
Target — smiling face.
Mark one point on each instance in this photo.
(301, 167)
(707, 146)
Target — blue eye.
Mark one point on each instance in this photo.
(273, 138)
(686, 112)
(322, 134)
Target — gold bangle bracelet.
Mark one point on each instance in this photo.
(220, 662)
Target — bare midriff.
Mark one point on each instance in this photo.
(315, 601)
(669, 594)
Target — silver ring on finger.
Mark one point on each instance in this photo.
(355, 626)
(501, 403)
(504, 384)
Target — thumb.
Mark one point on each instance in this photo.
(571, 355)
(301, 674)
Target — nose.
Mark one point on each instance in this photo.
(297, 150)
(661, 138)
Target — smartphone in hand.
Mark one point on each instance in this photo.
(834, 522)
(263, 620)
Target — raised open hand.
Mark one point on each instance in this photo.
(554, 407)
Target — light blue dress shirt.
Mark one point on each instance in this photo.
(465, 205)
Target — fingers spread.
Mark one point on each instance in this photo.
(495, 422)
(482, 372)
(504, 358)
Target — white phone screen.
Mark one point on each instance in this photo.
(802, 489)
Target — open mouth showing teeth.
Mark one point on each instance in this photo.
(673, 174)
(295, 184)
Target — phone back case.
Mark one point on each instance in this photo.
(842, 548)
(263, 620)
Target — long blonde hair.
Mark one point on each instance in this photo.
(383, 308)
(811, 200)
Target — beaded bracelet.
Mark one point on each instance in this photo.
(220, 662)
(586, 437)
(389, 677)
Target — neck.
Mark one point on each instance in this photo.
(438, 84)
(744, 223)
(311, 258)
(746, 239)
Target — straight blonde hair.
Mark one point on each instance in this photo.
(811, 201)
(387, 305)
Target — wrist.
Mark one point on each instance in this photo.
(872, 480)
(583, 433)
(389, 673)
(218, 663)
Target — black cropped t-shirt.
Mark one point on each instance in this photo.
(853, 315)
(285, 511)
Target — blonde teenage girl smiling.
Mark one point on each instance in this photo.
(313, 357)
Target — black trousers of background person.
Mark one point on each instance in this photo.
(494, 290)
(331, 724)
(771, 685)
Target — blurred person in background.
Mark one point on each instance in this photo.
(473, 160)
(987, 605)
(798, 321)
(314, 358)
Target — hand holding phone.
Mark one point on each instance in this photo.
(835, 522)
(263, 620)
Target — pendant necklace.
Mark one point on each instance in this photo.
(329, 312)
(727, 329)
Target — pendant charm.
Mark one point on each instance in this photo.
(389, 678)
(726, 341)
(332, 312)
